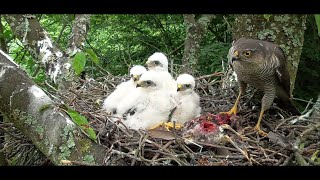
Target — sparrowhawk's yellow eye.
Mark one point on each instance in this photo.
(247, 53)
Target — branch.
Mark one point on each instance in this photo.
(37, 41)
(35, 115)
(79, 32)
(64, 25)
(204, 21)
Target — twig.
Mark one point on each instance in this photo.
(300, 159)
(78, 163)
(179, 47)
(164, 147)
(61, 31)
(210, 75)
(302, 100)
(312, 128)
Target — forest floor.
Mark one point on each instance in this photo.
(291, 140)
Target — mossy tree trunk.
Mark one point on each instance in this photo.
(33, 112)
(195, 31)
(56, 63)
(286, 30)
(37, 41)
(79, 32)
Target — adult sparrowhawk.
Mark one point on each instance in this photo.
(261, 64)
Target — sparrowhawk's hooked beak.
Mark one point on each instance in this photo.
(138, 84)
(235, 56)
(179, 87)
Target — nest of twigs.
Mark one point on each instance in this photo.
(131, 147)
(283, 146)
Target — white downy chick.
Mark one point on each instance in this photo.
(111, 102)
(158, 62)
(150, 105)
(188, 101)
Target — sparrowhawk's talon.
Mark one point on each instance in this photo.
(261, 132)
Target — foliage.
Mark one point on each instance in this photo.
(83, 123)
(211, 57)
(306, 86)
(121, 41)
(79, 62)
(216, 44)
(317, 17)
(115, 42)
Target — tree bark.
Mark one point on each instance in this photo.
(195, 31)
(29, 31)
(79, 32)
(316, 110)
(285, 30)
(34, 113)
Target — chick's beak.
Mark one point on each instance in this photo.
(179, 87)
(138, 84)
(135, 77)
(148, 64)
(235, 56)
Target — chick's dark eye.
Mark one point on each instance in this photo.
(157, 62)
(148, 82)
(188, 85)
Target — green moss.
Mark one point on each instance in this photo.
(44, 107)
(89, 159)
(84, 145)
(288, 31)
(46, 142)
(26, 118)
(266, 34)
(67, 142)
(39, 130)
(267, 16)
(282, 18)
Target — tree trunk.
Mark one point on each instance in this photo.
(35, 114)
(29, 31)
(316, 110)
(195, 31)
(285, 30)
(79, 32)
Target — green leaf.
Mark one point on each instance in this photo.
(317, 16)
(83, 123)
(77, 118)
(79, 62)
(93, 56)
(91, 134)
(314, 155)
